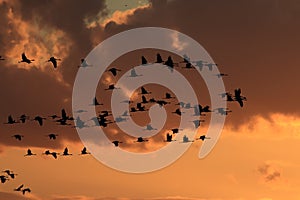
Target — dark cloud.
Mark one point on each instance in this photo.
(269, 173)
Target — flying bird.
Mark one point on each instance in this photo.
(29, 153)
(66, 152)
(18, 136)
(203, 137)
(1, 58)
(169, 138)
(10, 173)
(159, 59)
(141, 139)
(221, 75)
(53, 60)
(84, 63)
(144, 91)
(177, 111)
(52, 136)
(116, 143)
(144, 61)
(39, 119)
(3, 178)
(84, 151)
(10, 120)
(23, 118)
(28, 190)
(114, 71)
(19, 188)
(185, 139)
(238, 97)
(25, 59)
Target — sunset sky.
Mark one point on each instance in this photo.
(256, 42)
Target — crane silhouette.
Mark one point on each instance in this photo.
(114, 71)
(25, 59)
(144, 91)
(116, 143)
(177, 111)
(141, 139)
(28, 190)
(52, 136)
(203, 137)
(238, 97)
(23, 118)
(144, 61)
(3, 178)
(11, 174)
(18, 189)
(18, 136)
(66, 152)
(39, 119)
(10, 120)
(159, 58)
(29, 153)
(84, 151)
(96, 102)
(53, 60)
(1, 58)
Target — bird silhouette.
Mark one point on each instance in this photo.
(221, 75)
(18, 136)
(114, 71)
(238, 97)
(161, 102)
(96, 103)
(66, 152)
(84, 63)
(3, 178)
(10, 173)
(177, 111)
(141, 139)
(203, 137)
(84, 151)
(144, 61)
(144, 99)
(53, 60)
(169, 63)
(52, 136)
(159, 59)
(29, 153)
(169, 138)
(10, 120)
(111, 87)
(25, 59)
(133, 73)
(19, 188)
(28, 190)
(197, 122)
(144, 91)
(39, 119)
(116, 143)
(23, 118)
(168, 96)
(54, 154)
(185, 139)
(1, 58)
(175, 130)
(149, 127)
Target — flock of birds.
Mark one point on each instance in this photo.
(103, 118)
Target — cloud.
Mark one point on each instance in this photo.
(275, 126)
(269, 172)
(14, 196)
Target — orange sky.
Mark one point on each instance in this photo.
(255, 42)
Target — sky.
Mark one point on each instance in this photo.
(255, 42)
